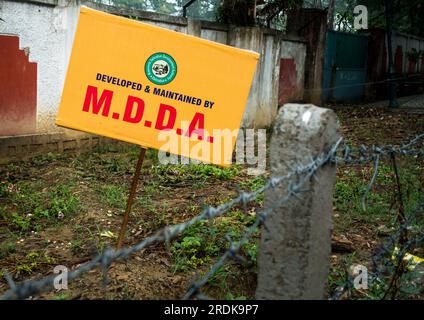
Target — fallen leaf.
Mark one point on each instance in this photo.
(108, 234)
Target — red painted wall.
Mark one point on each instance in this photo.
(18, 89)
(288, 81)
(398, 59)
(422, 64)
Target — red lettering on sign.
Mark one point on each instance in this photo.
(131, 102)
(163, 109)
(197, 125)
(134, 111)
(91, 99)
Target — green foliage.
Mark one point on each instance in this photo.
(237, 12)
(203, 171)
(62, 296)
(47, 158)
(251, 249)
(205, 240)
(76, 246)
(32, 261)
(231, 296)
(408, 15)
(195, 250)
(351, 186)
(20, 222)
(274, 12)
(6, 248)
(113, 195)
(31, 204)
(254, 184)
(160, 6)
(62, 201)
(198, 173)
(381, 210)
(221, 278)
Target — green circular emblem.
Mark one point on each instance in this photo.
(160, 68)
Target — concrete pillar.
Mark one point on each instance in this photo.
(250, 39)
(294, 256)
(194, 27)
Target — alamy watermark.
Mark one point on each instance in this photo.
(249, 145)
(360, 20)
(61, 280)
(360, 274)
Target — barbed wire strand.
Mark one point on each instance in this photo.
(362, 154)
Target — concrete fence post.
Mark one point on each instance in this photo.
(295, 248)
(194, 27)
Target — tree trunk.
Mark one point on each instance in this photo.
(330, 14)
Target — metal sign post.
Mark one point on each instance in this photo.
(131, 196)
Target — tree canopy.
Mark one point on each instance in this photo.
(409, 15)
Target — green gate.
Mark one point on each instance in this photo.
(345, 66)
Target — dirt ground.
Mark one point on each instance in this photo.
(62, 209)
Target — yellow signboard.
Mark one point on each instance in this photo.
(154, 87)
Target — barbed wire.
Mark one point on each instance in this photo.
(337, 154)
(374, 154)
(28, 288)
(363, 153)
(294, 189)
(350, 156)
(387, 249)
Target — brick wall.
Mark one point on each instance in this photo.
(23, 148)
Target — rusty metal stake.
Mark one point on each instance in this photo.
(403, 237)
(131, 198)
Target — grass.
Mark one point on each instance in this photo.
(380, 202)
(206, 240)
(30, 205)
(77, 246)
(254, 184)
(7, 248)
(196, 173)
(380, 212)
(62, 296)
(113, 195)
(32, 261)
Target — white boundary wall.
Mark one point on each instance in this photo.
(47, 28)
